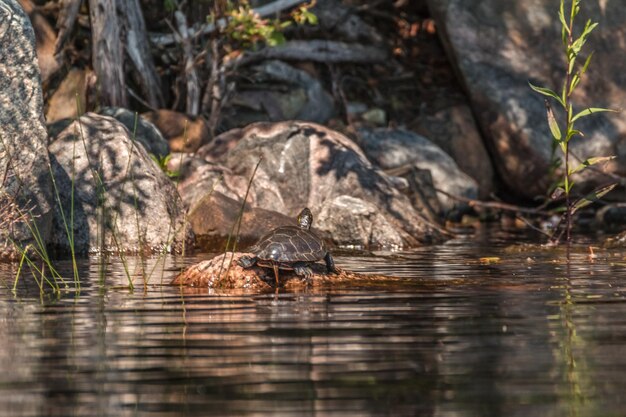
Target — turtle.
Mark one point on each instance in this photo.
(290, 248)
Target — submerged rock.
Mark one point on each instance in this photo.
(123, 202)
(224, 272)
(26, 186)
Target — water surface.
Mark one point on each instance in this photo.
(452, 335)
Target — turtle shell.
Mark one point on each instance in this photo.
(288, 244)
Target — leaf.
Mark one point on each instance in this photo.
(586, 65)
(554, 126)
(591, 110)
(562, 17)
(546, 92)
(591, 161)
(592, 197)
(558, 193)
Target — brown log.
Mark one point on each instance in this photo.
(138, 50)
(107, 53)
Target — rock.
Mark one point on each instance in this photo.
(24, 163)
(351, 221)
(123, 201)
(498, 46)
(393, 148)
(454, 130)
(214, 218)
(63, 102)
(145, 133)
(290, 94)
(223, 272)
(305, 165)
(184, 133)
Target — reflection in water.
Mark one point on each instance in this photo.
(452, 337)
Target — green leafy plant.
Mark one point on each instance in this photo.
(565, 131)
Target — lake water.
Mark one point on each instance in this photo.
(452, 335)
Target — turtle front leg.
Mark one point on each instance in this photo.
(247, 261)
(303, 269)
(275, 268)
(330, 263)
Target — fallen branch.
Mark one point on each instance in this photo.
(329, 52)
(496, 205)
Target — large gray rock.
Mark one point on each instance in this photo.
(394, 148)
(305, 164)
(498, 46)
(122, 200)
(24, 163)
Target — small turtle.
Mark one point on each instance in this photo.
(291, 248)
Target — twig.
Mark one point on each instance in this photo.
(495, 204)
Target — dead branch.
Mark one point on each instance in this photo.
(191, 75)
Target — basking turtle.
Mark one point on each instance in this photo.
(291, 248)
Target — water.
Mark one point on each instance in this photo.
(450, 336)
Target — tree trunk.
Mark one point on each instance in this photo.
(138, 50)
(107, 53)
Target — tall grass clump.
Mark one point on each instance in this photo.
(564, 131)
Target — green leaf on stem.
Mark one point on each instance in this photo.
(592, 197)
(591, 110)
(546, 92)
(589, 162)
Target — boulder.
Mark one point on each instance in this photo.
(215, 218)
(499, 46)
(352, 221)
(394, 148)
(26, 185)
(123, 202)
(307, 165)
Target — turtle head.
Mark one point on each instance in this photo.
(305, 219)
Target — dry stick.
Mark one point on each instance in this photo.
(193, 82)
